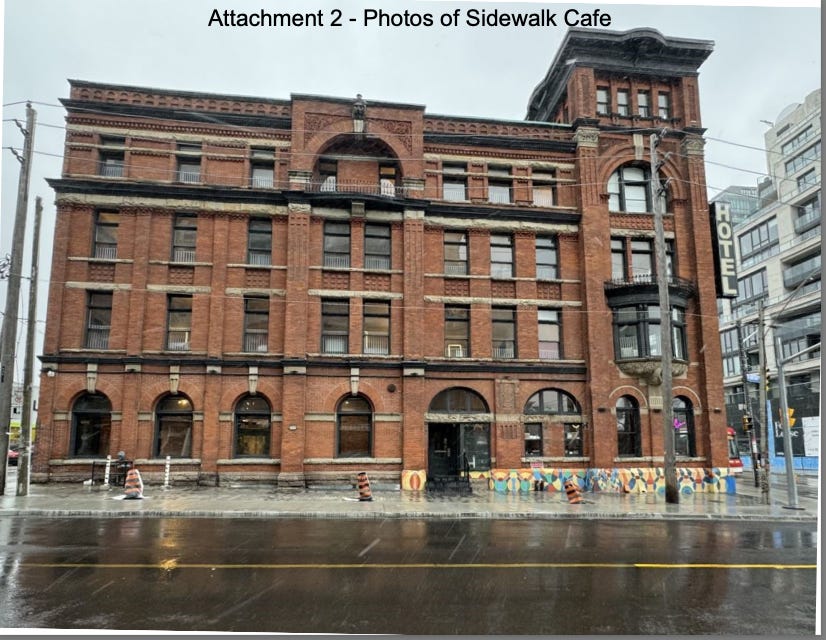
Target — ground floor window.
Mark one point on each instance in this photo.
(354, 424)
(91, 425)
(683, 427)
(252, 427)
(628, 428)
(174, 427)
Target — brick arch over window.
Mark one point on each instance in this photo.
(342, 390)
(627, 390)
(336, 132)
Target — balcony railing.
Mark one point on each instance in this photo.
(649, 279)
(177, 340)
(333, 344)
(382, 188)
(376, 345)
(106, 251)
(260, 258)
(97, 338)
(182, 254)
(376, 262)
(549, 351)
(807, 221)
(337, 260)
(111, 169)
(261, 182)
(456, 268)
(504, 350)
(798, 273)
(255, 342)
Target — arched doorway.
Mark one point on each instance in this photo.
(458, 433)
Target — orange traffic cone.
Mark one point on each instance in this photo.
(365, 494)
(134, 485)
(572, 491)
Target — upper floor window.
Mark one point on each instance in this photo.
(179, 322)
(387, 180)
(456, 257)
(335, 326)
(751, 287)
(454, 182)
(633, 259)
(623, 108)
(664, 105)
(802, 159)
(457, 331)
(189, 163)
(376, 246)
(628, 190)
(259, 241)
(543, 186)
(501, 256)
(637, 331)
(807, 180)
(503, 332)
(376, 327)
(550, 342)
(327, 175)
(808, 214)
(798, 141)
(499, 185)
(547, 258)
(603, 101)
(262, 168)
(98, 319)
(184, 235)
(111, 157)
(106, 235)
(644, 104)
(758, 238)
(256, 323)
(337, 244)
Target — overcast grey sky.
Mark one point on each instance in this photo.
(764, 60)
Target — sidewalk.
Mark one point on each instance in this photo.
(73, 500)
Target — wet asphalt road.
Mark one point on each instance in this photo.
(409, 576)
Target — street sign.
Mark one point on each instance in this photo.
(753, 377)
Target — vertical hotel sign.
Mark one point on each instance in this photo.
(723, 240)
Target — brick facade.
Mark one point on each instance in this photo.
(391, 348)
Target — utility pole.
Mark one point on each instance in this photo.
(9, 330)
(25, 460)
(744, 362)
(765, 485)
(672, 495)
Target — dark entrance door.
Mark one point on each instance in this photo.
(443, 449)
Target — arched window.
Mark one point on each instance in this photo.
(684, 427)
(174, 427)
(354, 424)
(458, 400)
(628, 190)
(252, 427)
(629, 442)
(553, 402)
(91, 425)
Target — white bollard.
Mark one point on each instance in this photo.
(106, 471)
(166, 473)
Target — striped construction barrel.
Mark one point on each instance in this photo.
(572, 491)
(364, 487)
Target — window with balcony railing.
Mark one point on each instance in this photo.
(335, 326)
(547, 258)
(106, 235)
(256, 324)
(500, 184)
(259, 241)
(808, 215)
(751, 288)
(111, 157)
(337, 245)
(376, 338)
(803, 159)
(758, 239)
(503, 332)
(798, 141)
(795, 274)
(454, 182)
(262, 168)
(184, 236)
(189, 163)
(98, 319)
(457, 331)
(543, 186)
(456, 253)
(550, 345)
(376, 246)
(179, 322)
(501, 256)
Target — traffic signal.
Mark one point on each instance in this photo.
(747, 423)
(790, 413)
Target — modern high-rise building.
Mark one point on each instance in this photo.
(778, 251)
(291, 291)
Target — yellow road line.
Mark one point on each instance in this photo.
(173, 564)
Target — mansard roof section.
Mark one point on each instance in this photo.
(640, 52)
(126, 100)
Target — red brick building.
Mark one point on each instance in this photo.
(291, 291)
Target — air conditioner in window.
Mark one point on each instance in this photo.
(455, 351)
